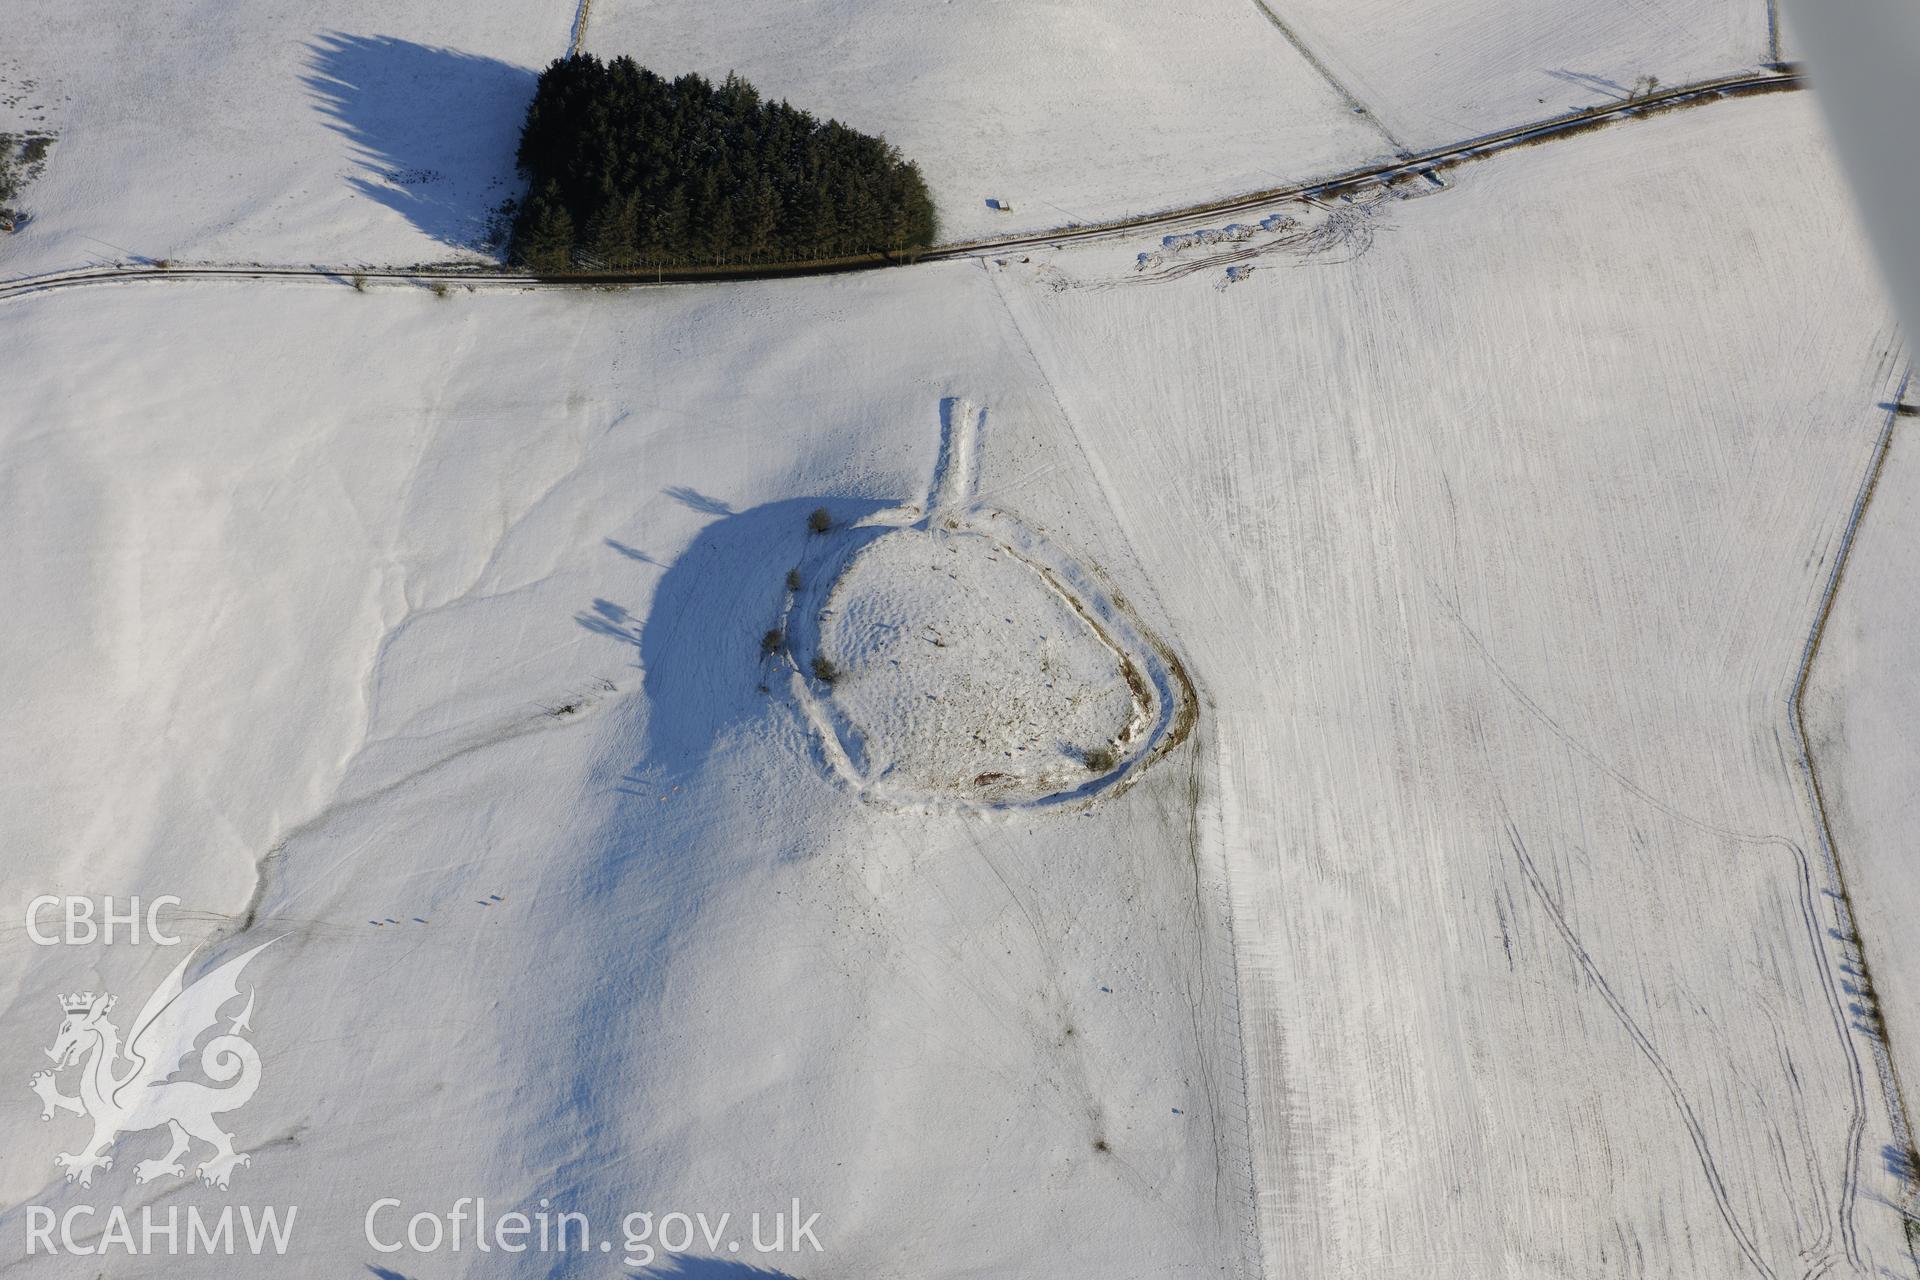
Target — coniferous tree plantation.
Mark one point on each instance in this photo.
(629, 169)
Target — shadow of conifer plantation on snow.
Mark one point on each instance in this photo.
(433, 129)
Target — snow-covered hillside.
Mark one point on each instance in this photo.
(1361, 832)
(220, 130)
(474, 608)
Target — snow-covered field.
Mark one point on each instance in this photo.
(1435, 74)
(1493, 550)
(1079, 112)
(1466, 914)
(357, 134)
(1067, 111)
(222, 130)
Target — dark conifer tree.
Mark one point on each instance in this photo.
(614, 238)
(544, 236)
(631, 168)
(760, 222)
(671, 228)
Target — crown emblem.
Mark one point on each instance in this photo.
(81, 1002)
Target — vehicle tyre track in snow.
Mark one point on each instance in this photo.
(1845, 929)
(1856, 1128)
(1413, 165)
(1857, 1125)
(1694, 1128)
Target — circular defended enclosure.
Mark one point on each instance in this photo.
(948, 655)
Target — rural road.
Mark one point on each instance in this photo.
(1399, 168)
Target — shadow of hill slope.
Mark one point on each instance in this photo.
(699, 644)
(684, 1267)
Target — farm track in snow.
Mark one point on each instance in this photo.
(1894, 1095)
(1399, 168)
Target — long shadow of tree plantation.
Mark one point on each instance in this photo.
(432, 128)
(629, 169)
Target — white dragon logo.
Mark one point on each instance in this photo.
(142, 1096)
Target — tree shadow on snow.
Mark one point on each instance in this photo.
(700, 643)
(698, 501)
(1591, 83)
(434, 128)
(1900, 1164)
